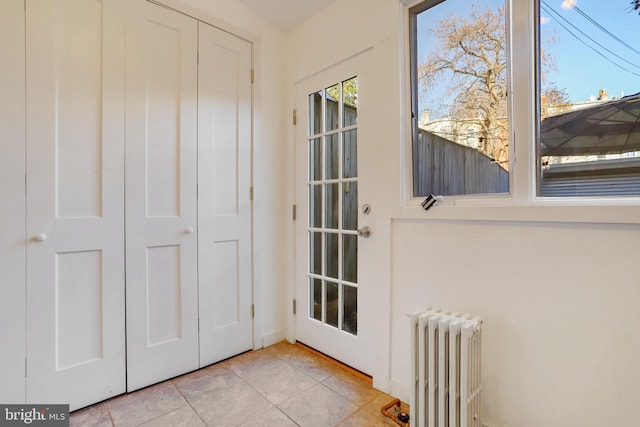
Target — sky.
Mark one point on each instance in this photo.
(580, 70)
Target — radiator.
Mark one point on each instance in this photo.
(445, 368)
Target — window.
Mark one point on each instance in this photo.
(589, 98)
(459, 84)
(333, 205)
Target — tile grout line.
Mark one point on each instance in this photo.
(189, 403)
(344, 369)
(252, 388)
(300, 362)
(365, 403)
(276, 406)
(288, 398)
(106, 405)
(273, 406)
(170, 381)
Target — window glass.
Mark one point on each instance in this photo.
(589, 98)
(332, 147)
(459, 84)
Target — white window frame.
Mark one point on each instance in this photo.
(522, 203)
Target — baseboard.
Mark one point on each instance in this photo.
(273, 337)
(401, 391)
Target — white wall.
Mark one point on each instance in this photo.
(12, 202)
(559, 303)
(270, 212)
(560, 300)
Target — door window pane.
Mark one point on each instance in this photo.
(315, 113)
(331, 257)
(350, 101)
(315, 159)
(350, 206)
(333, 153)
(350, 258)
(331, 312)
(315, 253)
(350, 153)
(350, 309)
(315, 206)
(315, 291)
(332, 108)
(332, 207)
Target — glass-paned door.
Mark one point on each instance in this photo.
(332, 146)
(334, 292)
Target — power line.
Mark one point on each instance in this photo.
(609, 33)
(588, 45)
(549, 10)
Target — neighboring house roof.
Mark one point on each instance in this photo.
(606, 128)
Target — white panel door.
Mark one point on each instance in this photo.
(335, 311)
(75, 200)
(161, 204)
(224, 205)
(12, 195)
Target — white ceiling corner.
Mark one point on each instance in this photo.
(286, 14)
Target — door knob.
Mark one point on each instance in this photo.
(364, 231)
(41, 237)
(189, 230)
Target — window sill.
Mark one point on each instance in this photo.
(610, 211)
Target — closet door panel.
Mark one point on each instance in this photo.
(161, 203)
(224, 205)
(75, 200)
(12, 195)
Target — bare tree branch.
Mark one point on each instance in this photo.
(472, 60)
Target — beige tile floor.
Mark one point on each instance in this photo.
(281, 385)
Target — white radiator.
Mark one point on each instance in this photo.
(445, 368)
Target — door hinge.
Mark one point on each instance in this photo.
(251, 193)
(294, 306)
(252, 76)
(294, 212)
(253, 311)
(295, 117)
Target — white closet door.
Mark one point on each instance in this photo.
(12, 196)
(224, 205)
(161, 204)
(75, 200)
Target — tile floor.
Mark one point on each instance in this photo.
(281, 385)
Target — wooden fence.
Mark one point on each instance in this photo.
(444, 167)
